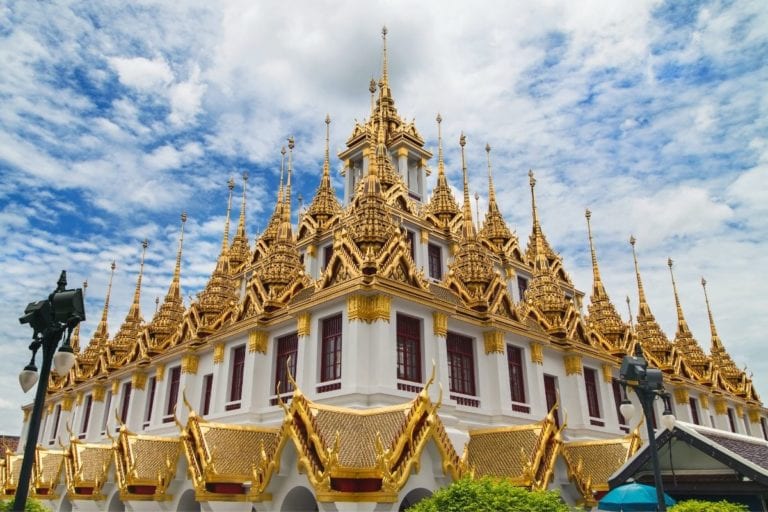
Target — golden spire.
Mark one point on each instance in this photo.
(102, 332)
(442, 205)
(384, 62)
(602, 313)
(469, 226)
(491, 189)
(75, 341)
(239, 252)
(716, 343)
(270, 232)
(129, 330)
(684, 339)
(494, 228)
(720, 357)
(649, 333)
(325, 204)
(537, 242)
(171, 313)
(287, 197)
(225, 239)
(629, 310)
(372, 89)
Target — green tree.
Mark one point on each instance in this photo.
(32, 505)
(489, 495)
(708, 506)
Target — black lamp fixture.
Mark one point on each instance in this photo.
(648, 385)
(62, 311)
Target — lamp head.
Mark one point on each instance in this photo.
(28, 377)
(627, 409)
(64, 359)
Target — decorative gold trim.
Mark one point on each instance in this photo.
(257, 341)
(754, 415)
(66, 403)
(98, 393)
(681, 396)
(494, 342)
(537, 353)
(115, 387)
(189, 363)
(50, 408)
(27, 412)
(739, 410)
(312, 250)
(573, 364)
(721, 406)
(440, 324)
(607, 373)
(159, 372)
(704, 400)
(304, 324)
(402, 152)
(79, 397)
(218, 353)
(424, 236)
(369, 308)
(139, 380)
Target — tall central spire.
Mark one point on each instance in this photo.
(225, 239)
(469, 225)
(101, 334)
(170, 314)
(717, 345)
(684, 340)
(239, 252)
(682, 325)
(648, 331)
(384, 62)
(442, 207)
(325, 204)
(128, 333)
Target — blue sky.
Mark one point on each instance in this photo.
(117, 116)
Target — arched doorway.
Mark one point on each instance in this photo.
(299, 499)
(187, 502)
(413, 497)
(115, 505)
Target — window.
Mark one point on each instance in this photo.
(56, 418)
(550, 395)
(522, 285)
(205, 407)
(435, 261)
(593, 401)
(461, 364)
(732, 419)
(617, 401)
(408, 348)
(285, 360)
(107, 407)
(152, 386)
(236, 378)
(327, 253)
(330, 362)
(409, 235)
(126, 401)
(173, 394)
(87, 405)
(694, 410)
(516, 378)
(765, 428)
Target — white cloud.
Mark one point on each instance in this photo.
(142, 73)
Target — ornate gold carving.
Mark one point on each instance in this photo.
(440, 324)
(402, 151)
(160, 372)
(537, 353)
(304, 324)
(424, 236)
(681, 396)
(607, 373)
(739, 410)
(50, 407)
(79, 397)
(369, 308)
(257, 341)
(573, 364)
(115, 387)
(139, 380)
(704, 400)
(312, 250)
(66, 403)
(754, 415)
(494, 342)
(98, 393)
(218, 353)
(721, 406)
(28, 411)
(189, 363)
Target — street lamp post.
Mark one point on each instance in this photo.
(648, 385)
(49, 319)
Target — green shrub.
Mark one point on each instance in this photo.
(489, 495)
(708, 506)
(32, 505)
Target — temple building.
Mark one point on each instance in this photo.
(383, 346)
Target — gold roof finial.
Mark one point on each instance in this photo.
(372, 89)
(440, 161)
(225, 239)
(640, 290)
(716, 343)
(477, 209)
(629, 310)
(137, 292)
(287, 198)
(684, 340)
(384, 62)
(327, 159)
(682, 325)
(129, 330)
(532, 182)
(239, 251)
(101, 329)
(648, 331)
(170, 314)
(469, 226)
(157, 304)
(325, 204)
(595, 269)
(491, 189)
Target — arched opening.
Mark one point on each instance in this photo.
(187, 502)
(299, 499)
(413, 497)
(115, 505)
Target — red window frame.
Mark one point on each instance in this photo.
(732, 419)
(150, 400)
(694, 410)
(287, 347)
(461, 364)
(330, 354)
(107, 407)
(616, 385)
(522, 286)
(408, 348)
(56, 419)
(590, 385)
(126, 402)
(516, 375)
(86, 416)
(207, 393)
(550, 395)
(765, 429)
(435, 261)
(173, 393)
(237, 375)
